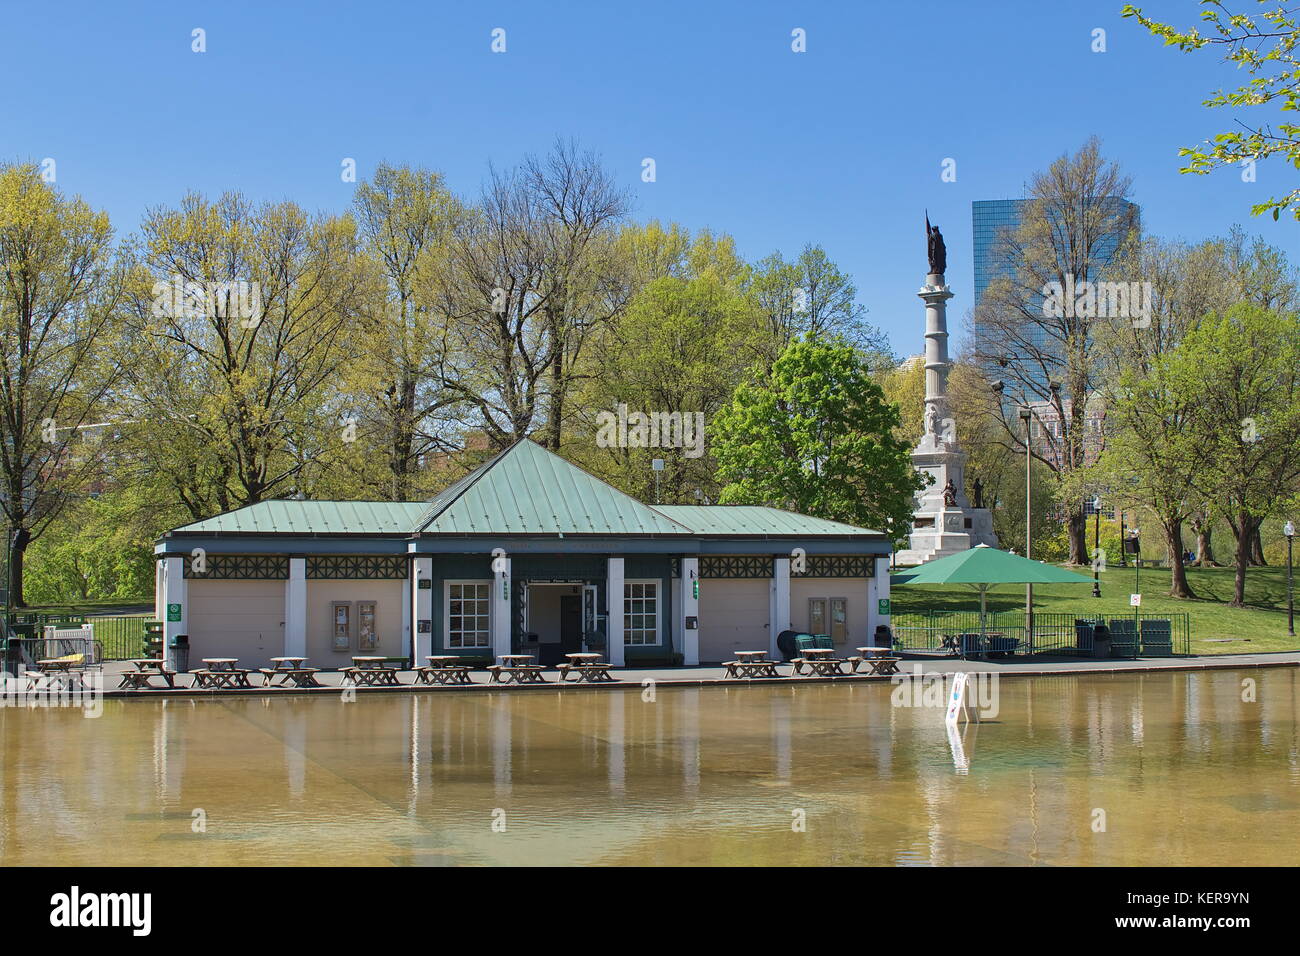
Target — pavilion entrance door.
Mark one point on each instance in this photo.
(570, 624)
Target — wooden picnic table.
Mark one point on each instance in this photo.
(442, 669)
(60, 671)
(221, 672)
(372, 674)
(589, 667)
(146, 668)
(879, 660)
(286, 670)
(820, 661)
(751, 664)
(368, 661)
(520, 673)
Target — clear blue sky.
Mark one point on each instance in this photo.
(840, 145)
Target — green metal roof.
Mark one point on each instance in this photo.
(528, 490)
(523, 490)
(753, 519)
(315, 517)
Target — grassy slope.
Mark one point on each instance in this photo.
(1261, 626)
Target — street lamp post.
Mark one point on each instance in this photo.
(1026, 416)
(1096, 546)
(1289, 531)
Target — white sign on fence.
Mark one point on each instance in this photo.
(1135, 600)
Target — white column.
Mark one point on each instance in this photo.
(421, 609)
(501, 607)
(173, 600)
(295, 609)
(614, 601)
(877, 591)
(690, 608)
(159, 606)
(406, 616)
(779, 616)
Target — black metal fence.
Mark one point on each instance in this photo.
(25, 652)
(1007, 633)
(120, 636)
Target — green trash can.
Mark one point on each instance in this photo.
(152, 645)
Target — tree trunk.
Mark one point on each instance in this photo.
(1178, 586)
(1257, 548)
(1242, 529)
(1205, 546)
(553, 424)
(22, 538)
(1078, 528)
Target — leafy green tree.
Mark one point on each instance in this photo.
(813, 298)
(680, 348)
(816, 435)
(102, 549)
(1238, 374)
(1265, 46)
(1046, 356)
(59, 290)
(405, 218)
(238, 330)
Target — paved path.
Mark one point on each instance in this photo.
(697, 676)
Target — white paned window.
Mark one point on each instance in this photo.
(641, 612)
(466, 619)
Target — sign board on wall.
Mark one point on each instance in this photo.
(883, 606)
(957, 697)
(173, 612)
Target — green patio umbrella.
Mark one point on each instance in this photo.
(983, 566)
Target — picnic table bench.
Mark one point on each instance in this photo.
(750, 664)
(146, 668)
(442, 669)
(589, 667)
(232, 677)
(820, 662)
(283, 676)
(371, 676)
(878, 660)
(518, 673)
(59, 672)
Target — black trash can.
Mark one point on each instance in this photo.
(1100, 640)
(884, 637)
(180, 648)
(786, 645)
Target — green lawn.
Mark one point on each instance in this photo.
(1261, 626)
(105, 606)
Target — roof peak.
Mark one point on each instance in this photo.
(528, 489)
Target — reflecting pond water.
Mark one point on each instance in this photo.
(1177, 767)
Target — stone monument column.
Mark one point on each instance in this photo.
(943, 523)
(935, 293)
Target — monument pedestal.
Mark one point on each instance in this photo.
(944, 524)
